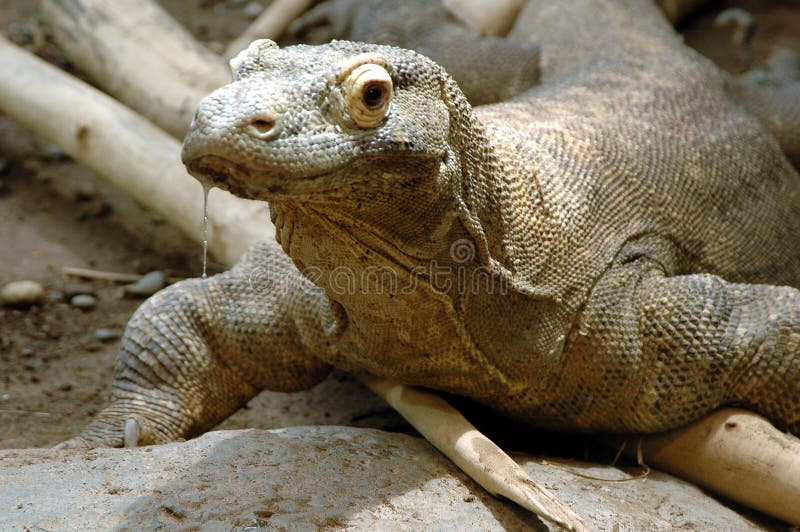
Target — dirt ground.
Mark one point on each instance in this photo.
(54, 372)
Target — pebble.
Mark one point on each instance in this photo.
(253, 9)
(106, 335)
(32, 363)
(149, 284)
(55, 296)
(84, 191)
(44, 175)
(21, 293)
(95, 209)
(84, 301)
(53, 151)
(75, 289)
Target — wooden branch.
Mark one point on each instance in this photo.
(487, 18)
(271, 24)
(475, 454)
(135, 51)
(126, 149)
(737, 454)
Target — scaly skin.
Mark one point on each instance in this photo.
(616, 250)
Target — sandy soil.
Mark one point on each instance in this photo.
(54, 373)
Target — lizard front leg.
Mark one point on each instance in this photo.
(197, 351)
(667, 350)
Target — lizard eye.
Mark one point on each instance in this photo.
(373, 95)
(368, 93)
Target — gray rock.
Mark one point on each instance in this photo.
(84, 190)
(21, 293)
(83, 301)
(107, 335)
(55, 296)
(320, 477)
(32, 364)
(147, 285)
(76, 289)
(53, 151)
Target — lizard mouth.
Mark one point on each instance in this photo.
(248, 182)
(271, 184)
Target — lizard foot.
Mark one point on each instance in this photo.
(118, 426)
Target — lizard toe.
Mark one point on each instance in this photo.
(121, 426)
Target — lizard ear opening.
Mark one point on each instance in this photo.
(367, 91)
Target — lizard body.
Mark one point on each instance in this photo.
(615, 250)
(488, 69)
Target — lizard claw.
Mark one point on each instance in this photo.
(117, 427)
(139, 431)
(132, 432)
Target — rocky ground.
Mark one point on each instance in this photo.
(307, 478)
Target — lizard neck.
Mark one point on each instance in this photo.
(496, 200)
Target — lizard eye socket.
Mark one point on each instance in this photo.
(368, 93)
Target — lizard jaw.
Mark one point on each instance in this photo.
(278, 184)
(216, 171)
(247, 182)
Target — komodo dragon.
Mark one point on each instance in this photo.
(615, 250)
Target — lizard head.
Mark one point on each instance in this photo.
(370, 144)
(323, 123)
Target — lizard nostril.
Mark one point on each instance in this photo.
(264, 127)
(263, 124)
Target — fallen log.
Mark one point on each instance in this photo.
(126, 149)
(737, 454)
(135, 51)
